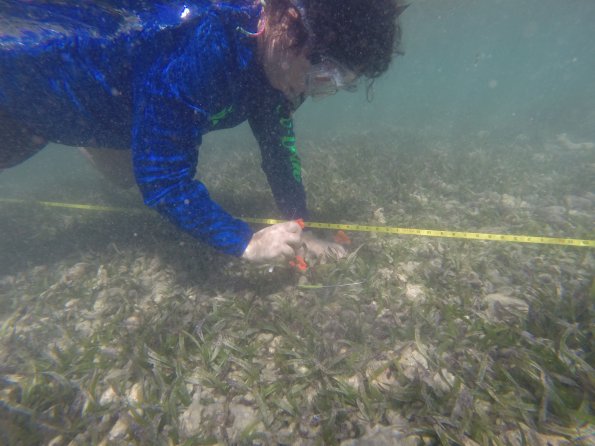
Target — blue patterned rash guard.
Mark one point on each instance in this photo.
(151, 76)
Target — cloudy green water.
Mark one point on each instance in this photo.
(500, 66)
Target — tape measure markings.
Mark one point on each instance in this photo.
(349, 227)
(439, 233)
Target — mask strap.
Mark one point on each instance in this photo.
(261, 25)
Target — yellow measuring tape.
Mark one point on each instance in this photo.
(439, 233)
(352, 227)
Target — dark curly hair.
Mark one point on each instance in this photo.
(362, 34)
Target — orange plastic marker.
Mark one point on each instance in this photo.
(299, 263)
(342, 239)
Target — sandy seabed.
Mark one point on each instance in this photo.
(116, 329)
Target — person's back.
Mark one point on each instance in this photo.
(68, 67)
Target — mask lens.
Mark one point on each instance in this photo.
(320, 83)
(328, 77)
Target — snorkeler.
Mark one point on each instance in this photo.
(155, 76)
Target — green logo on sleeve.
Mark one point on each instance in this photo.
(217, 117)
(296, 166)
(289, 143)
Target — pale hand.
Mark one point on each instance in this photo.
(274, 243)
(322, 249)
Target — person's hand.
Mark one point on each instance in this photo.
(321, 249)
(274, 243)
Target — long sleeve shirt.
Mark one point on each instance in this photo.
(152, 77)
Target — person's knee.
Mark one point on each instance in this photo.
(115, 165)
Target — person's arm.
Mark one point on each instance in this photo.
(166, 134)
(272, 126)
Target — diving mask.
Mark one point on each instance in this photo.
(327, 77)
